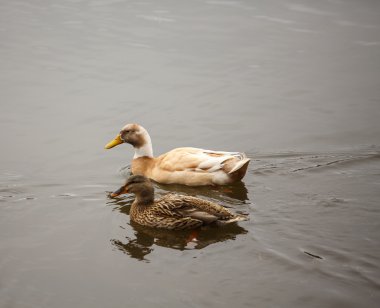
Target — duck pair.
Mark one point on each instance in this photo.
(188, 166)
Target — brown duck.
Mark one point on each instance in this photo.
(172, 211)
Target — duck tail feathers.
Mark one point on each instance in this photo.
(239, 165)
(236, 218)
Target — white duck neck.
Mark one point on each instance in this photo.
(146, 149)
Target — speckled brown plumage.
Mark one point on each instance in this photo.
(173, 211)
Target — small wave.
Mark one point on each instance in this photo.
(292, 162)
(310, 10)
(275, 19)
(156, 18)
(369, 44)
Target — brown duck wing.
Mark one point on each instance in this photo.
(187, 206)
(172, 223)
(198, 214)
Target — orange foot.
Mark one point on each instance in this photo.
(192, 236)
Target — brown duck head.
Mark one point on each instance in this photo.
(138, 185)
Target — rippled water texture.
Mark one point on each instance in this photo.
(294, 84)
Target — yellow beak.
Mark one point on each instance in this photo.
(114, 142)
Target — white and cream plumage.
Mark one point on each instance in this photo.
(188, 166)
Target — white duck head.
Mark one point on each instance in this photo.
(137, 136)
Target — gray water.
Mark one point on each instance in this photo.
(294, 84)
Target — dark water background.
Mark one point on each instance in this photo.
(294, 84)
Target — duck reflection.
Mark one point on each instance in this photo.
(146, 238)
(235, 193)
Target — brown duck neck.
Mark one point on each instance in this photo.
(145, 197)
(142, 165)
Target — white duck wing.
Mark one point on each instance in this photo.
(228, 161)
(199, 160)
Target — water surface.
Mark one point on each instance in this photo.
(294, 84)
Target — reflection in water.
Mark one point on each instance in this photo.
(233, 193)
(146, 237)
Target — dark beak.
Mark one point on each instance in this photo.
(121, 190)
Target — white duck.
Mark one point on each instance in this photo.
(188, 166)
